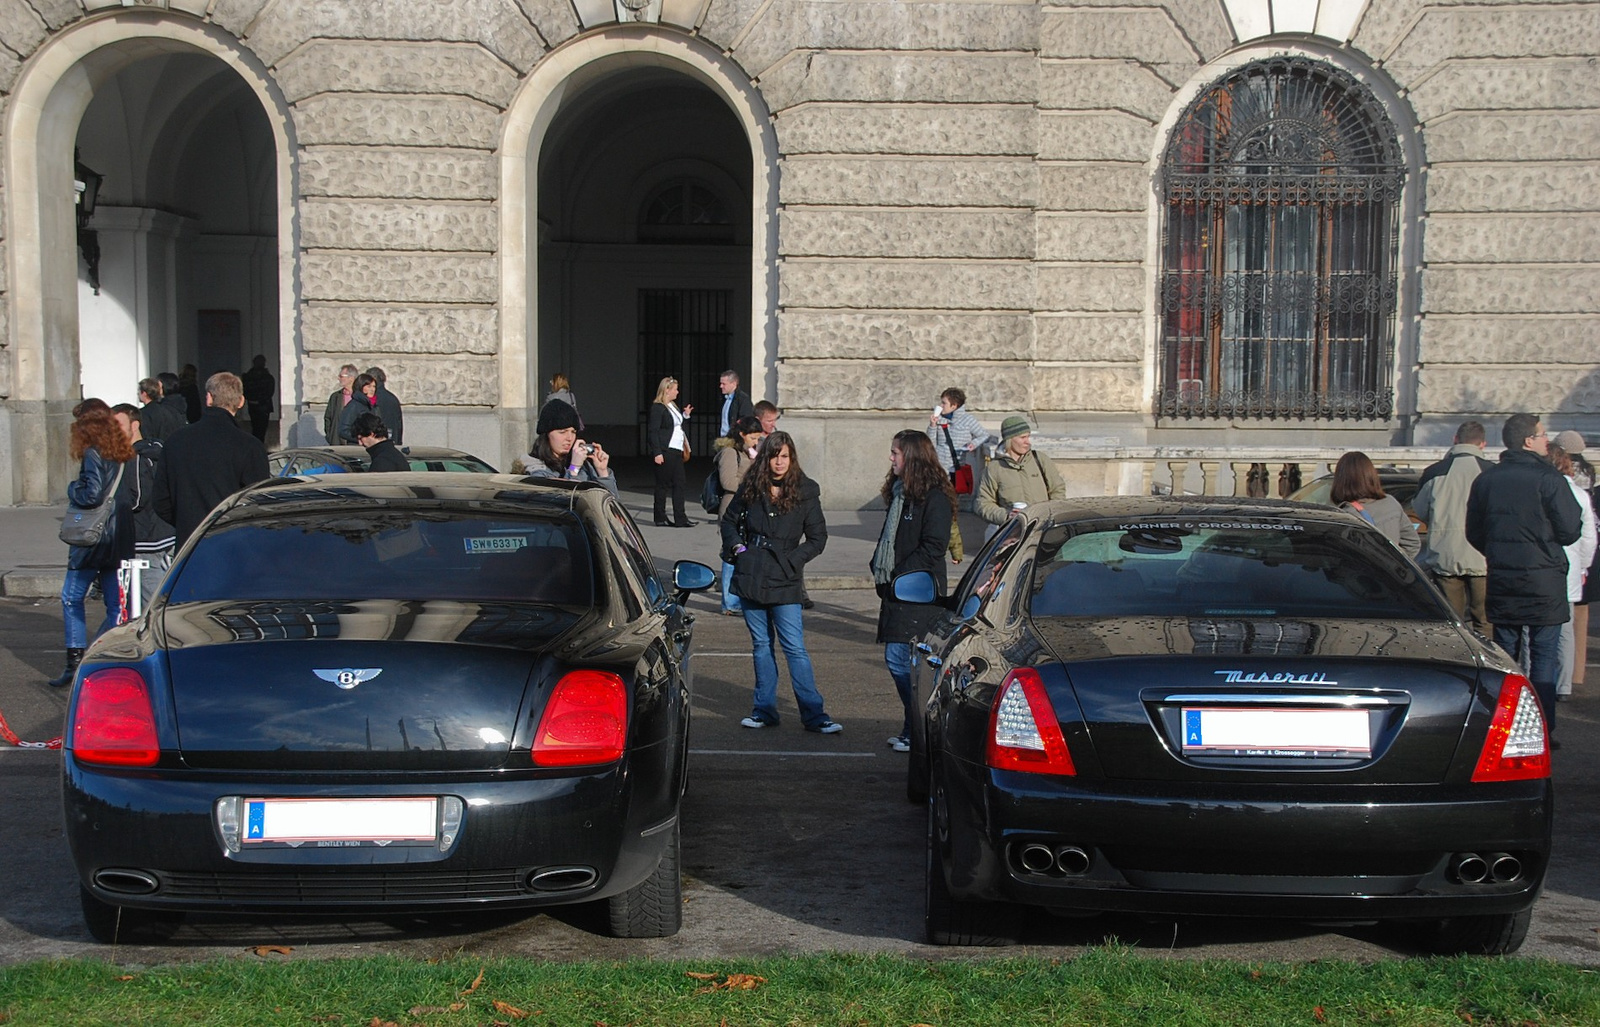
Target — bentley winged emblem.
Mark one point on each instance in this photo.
(347, 677)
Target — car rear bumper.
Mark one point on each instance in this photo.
(1358, 853)
(525, 841)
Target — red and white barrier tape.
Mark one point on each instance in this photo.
(11, 736)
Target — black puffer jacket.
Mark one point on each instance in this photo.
(919, 545)
(1520, 514)
(771, 570)
(95, 477)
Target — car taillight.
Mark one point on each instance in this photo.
(585, 721)
(1516, 749)
(114, 723)
(1023, 731)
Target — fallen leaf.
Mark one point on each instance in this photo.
(125, 977)
(1318, 1015)
(732, 982)
(700, 976)
(510, 1010)
(376, 1022)
(474, 985)
(269, 950)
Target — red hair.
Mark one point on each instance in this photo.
(99, 431)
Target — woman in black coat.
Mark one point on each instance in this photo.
(102, 449)
(916, 531)
(668, 446)
(773, 527)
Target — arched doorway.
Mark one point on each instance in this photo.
(647, 164)
(195, 146)
(644, 249)
(185, 225)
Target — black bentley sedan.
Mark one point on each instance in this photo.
(1234, 707)
(430, 692)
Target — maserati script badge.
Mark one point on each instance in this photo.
(348, 678)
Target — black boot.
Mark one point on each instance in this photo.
(74, 657)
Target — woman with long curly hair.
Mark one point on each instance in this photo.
(916, 531)
(770, 530)
(102, 448)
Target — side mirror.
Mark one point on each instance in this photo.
(969, 609)
(915, 587)
(688, 576)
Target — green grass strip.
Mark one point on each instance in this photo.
(1108, 985)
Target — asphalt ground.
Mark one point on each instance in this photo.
(793, 842)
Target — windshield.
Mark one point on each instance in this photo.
(391, 553)
(1182, 567)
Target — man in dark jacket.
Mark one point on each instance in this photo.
(259, 385)
(389, 407)
(172, 398)
(735, 404)
(209, 460)
(372, 435)
(336, 401)
(1520, 514)
(157, 418)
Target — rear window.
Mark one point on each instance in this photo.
(1191, 568)
(391, 554)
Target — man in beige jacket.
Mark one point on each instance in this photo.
(1016, 474)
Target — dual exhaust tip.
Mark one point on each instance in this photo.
(1063, 860)
(1489, 868)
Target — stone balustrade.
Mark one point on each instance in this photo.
(1103, 466)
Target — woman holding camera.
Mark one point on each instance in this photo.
(559, 453)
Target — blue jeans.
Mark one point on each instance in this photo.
(74, 588)
(784, 621)
(1540, 651)
(898, 656)
(729, 600)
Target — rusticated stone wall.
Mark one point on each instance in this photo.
(965, 192)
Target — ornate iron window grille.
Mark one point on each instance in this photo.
(1282, 188)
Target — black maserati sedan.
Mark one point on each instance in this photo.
(423, 693)
(1192, 706)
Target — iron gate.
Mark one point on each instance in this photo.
(683, 334)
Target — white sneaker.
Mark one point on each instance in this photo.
(753, 722)
(827, 727)
(900, 743)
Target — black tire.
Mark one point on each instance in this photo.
(653, 908)
(949, 921)
(110, 924)
(1498, 935)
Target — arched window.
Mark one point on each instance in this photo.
(685, 210)
(1281, 190)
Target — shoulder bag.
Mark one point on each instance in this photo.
(85, 527)
(961, 477)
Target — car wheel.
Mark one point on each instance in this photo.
(950, 921)
(1498, 935)
(109, 924)
(654, 907)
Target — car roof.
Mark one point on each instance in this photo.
(1061, 511)
(462, 489)
(357, 452)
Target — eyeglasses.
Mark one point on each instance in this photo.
(1541, 435)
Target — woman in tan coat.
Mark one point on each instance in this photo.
(731, 457)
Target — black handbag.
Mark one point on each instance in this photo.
(86, 526)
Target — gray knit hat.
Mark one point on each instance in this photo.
(1570, 441)
(1013, 426)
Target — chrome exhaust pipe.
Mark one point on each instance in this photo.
(1036, 858)
(1504, 867)
(127, 882)
(562, 878)
(1471, 868)
(1072, 860)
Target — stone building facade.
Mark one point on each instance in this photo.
(1068, 208)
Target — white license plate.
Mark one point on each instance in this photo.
(341, 820)
(1247, 731)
